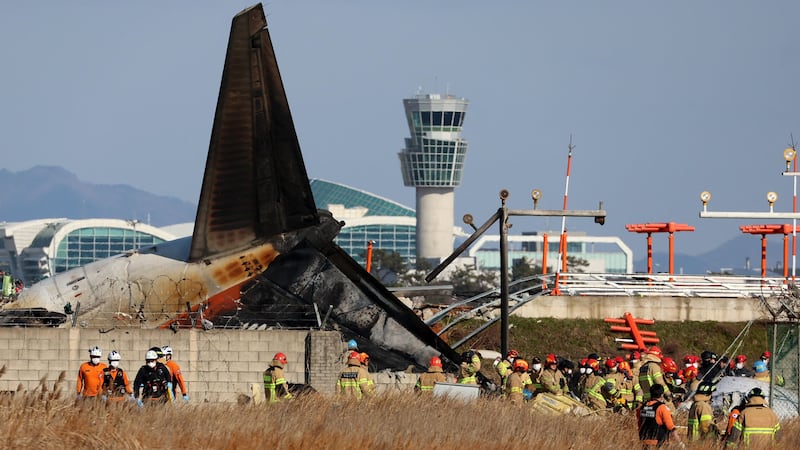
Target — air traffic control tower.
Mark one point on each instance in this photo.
(432, 162)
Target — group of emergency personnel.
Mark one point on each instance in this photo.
(649, 384)
(158, 380)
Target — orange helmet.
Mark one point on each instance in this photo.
(594, 364)
(436, 362)
(611, 363)
(689, 373)
(551, 359)
(363, 358)
(280, 357)
(668, 365)
(625, 366)
(655, 351)
(520, 365)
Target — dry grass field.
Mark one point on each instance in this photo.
(45, 418)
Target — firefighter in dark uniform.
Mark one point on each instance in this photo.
(152, 380)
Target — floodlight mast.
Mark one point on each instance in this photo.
(502, 214)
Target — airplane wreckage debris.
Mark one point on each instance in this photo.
(259, 245)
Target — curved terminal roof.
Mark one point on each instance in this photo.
(329, 193)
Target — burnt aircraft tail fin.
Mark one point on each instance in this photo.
(255, 183)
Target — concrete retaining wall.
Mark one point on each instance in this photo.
(218, 365)
(670, 309)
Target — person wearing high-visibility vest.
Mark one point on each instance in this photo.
(517, 382)
(468, 371)
(275, 386)
(757, 425)
(353, 380)
(701, 416)
(428, 380)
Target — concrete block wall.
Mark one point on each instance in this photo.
(218, 365)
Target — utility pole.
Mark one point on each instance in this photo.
(502, 214)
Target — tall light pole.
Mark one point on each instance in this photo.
(502, 214)
(790, 155)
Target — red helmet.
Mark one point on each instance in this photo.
(635, 355)
(512, 354)
(551, 359)
(520, 365)
(691, 359)
(689, 373)
(584, 362)
(766, 355)
(619, 359)
(363, 358)
(436, 362)
(280, 357)
(655, 351)
(594, 364)
(353, 355)
(668, 365)
(625, 366)
(611, 363)
(741, 358)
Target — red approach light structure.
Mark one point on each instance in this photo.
(764, 230)
(650, 228)
(640, 339)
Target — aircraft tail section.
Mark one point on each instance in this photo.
(255, 183)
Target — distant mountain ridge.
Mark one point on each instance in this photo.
(49, 191)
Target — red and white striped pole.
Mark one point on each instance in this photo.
(562, 245)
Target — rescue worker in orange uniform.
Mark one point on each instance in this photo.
(552, 379)
(517, 382)
(353, 381)
(428, 380)
(90, 375)
(177, 376)
(757, 425)
(654, 419)
(701, 416)
(116, 386)
(275, 386)
(468, 370)
(650, 372)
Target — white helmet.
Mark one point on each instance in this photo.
(150, 355)
(95, 352)
(167, 350)
(114, 356)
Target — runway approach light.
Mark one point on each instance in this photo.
(772, 197)
(789, 155)
(536, 194)
(705, 197)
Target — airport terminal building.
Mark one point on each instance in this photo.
(38, 249)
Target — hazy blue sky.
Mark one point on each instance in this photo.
(663, 99)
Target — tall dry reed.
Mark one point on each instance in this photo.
(42, 419)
